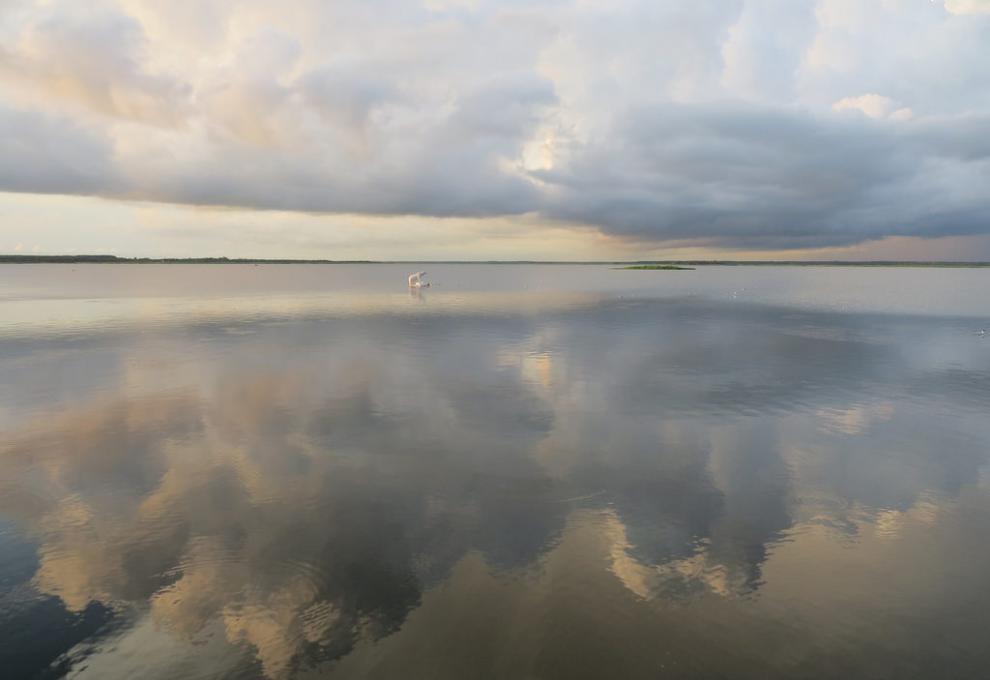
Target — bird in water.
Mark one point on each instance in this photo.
(416, 280)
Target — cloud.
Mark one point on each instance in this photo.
(723, 123)
(874, 106)
(53, 154)
(967, 6)
(762, 178)
(91, 61)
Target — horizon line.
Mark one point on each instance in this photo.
(18, 258)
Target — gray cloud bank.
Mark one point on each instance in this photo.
(729, 123)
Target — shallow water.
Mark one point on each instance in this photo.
(523, 472)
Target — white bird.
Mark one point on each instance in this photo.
(416, 280)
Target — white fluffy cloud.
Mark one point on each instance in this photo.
(726, 122)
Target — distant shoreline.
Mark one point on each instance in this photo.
(113, 259)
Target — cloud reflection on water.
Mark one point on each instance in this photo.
(309, 486)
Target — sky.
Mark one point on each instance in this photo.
(474, 129)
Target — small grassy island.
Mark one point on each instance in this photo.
(664, 267)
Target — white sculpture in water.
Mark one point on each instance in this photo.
(416, 280)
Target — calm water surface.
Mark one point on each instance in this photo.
(523, 472)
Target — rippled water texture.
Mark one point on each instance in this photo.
(522, 472)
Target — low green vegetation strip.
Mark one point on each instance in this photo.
(663, 267)
(18, 258)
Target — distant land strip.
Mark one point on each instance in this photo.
(113, 259)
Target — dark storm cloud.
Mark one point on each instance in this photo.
(764, 178)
